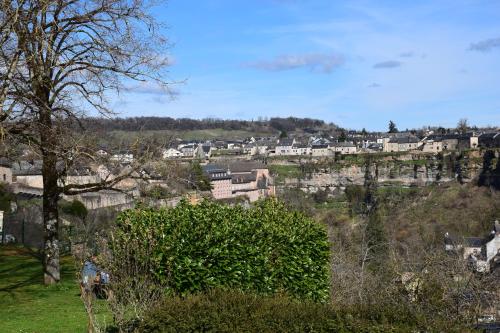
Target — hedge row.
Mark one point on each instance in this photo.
(264, 249)
(223, 311)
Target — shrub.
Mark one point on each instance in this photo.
(264, 249)
(230, 311)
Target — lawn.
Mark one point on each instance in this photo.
(26, 305)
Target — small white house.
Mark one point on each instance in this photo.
(171, 153)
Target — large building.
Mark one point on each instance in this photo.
(237, 179)
(220, 180)
(401, 143)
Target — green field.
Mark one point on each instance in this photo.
(26, 305)
(282, 171)
(207, 134)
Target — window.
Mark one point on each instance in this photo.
(4, 177)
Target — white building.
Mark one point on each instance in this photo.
(482, 253)
(344, 148)
(171, 153)
(284, 146)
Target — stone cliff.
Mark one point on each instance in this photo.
(400, 170)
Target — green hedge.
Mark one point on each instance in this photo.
(229, 311)
(263, 249)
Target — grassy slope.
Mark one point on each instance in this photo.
(208, 134)
(28, 306)
(462, 210)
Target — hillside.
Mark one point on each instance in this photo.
(425, 215)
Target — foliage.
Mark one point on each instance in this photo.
(265, 249)
(156, 192)
(392, 127)
(187, 124)
(355, 195)
(74, 208)
(230, 311)
(490, 173)
(198, 179)
(342, 136)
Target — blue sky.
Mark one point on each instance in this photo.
(355, 63)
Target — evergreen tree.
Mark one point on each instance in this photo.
(392, 127)
(199, 180)
(342, 136)
(375, 237)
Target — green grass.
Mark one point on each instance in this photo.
(281, 172)
(207, 134)
(26, 305)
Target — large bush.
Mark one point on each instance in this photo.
(190, 248)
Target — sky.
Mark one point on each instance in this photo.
(357, 64)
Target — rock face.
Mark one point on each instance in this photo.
(404, 170)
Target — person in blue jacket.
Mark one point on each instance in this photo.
(93, 278)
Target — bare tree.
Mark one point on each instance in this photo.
(59, 58)
(463, 125)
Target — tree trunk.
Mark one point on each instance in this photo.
(51, 265)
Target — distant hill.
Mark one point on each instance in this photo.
(272, 125)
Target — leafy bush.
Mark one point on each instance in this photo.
(264, 249)
(229, 311)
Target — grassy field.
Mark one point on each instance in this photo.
(207, 134)
(26, 305)
(281, 172)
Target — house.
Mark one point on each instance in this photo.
(171, 153)
(240, 179)
(435, 143)
(284, 146)
(299, 149)
(187, 150)
(203, 151)
(251, 179)
(234, 145)
(368, 140)
(483, 253)
(321, 150)
(255, 148)
(28, 173)
(344, 148)
(258, 148)
(432, 145)
(401, 143)
(374, 147)
(220, 180)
